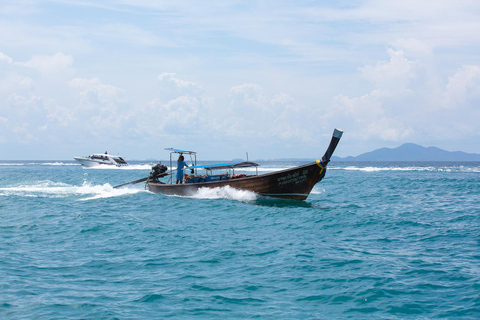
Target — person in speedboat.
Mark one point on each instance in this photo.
(180, 165)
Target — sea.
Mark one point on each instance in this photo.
(374, 240)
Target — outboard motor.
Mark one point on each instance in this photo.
(158, 171)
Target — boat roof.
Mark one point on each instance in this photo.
(221, 166)
(173, 150)
(105, 154)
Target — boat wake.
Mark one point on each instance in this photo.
(461, 168)
(226, 192)
(106, 191)
(129, 167)
(50, 189)
(317, 190)
(58, 163)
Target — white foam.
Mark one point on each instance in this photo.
(317, 190)
(226, 192)
(105, 191)
(49, 189)
(57, 164)
(129, 167)
(411, 168)
(376, 169)
(469, 169)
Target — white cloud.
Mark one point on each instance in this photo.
(367, 106)
(5, 59)
(413, 47)
(248, 100)
(52, 64)
(392, 76)
(98, 110)
(169, 82)
(403, 108)
(24, 134)
(178, 109)
(12, 82)
(292, 121)
(463, 89)
(177, 116)
(24, 105)
(368, 118)
(278, 118)
(93, 91)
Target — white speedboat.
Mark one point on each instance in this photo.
(101, 159)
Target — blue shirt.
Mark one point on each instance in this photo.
(180, 166)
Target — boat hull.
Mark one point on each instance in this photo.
(94, 163)
(295, 183)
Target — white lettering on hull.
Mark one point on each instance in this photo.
(293, 178)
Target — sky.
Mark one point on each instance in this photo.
(271, 78)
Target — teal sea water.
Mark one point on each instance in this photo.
(373, 240)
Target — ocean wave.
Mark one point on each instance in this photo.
(474, 169)
(105, 191)
(129, 167)
(50, 189)
(56, 164)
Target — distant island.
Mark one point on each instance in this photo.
(405, 152)
(412, 152)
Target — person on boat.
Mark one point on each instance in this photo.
(180, 165)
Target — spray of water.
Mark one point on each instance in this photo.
(50, 189)
(226, 192)
(130, 167)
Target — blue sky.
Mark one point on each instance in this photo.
(271, 78)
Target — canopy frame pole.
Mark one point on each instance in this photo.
(171, 169)
(180, 152)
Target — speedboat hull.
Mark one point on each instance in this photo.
(86, 162)
(96, 160)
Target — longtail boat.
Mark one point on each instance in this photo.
(294, 183)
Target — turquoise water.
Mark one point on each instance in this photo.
(373, 240)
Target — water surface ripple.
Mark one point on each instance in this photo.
(373, 240)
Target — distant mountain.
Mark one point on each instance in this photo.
(412, 152)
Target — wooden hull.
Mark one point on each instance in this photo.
(295, 183)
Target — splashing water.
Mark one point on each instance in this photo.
(129, 167)
(50, 189)
(461, 168)
(226, 192)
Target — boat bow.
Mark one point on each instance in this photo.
(337, 135)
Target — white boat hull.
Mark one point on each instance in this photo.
(98, 160)
(92, 163)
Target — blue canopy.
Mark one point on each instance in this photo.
(221, 166)
(180, 151)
